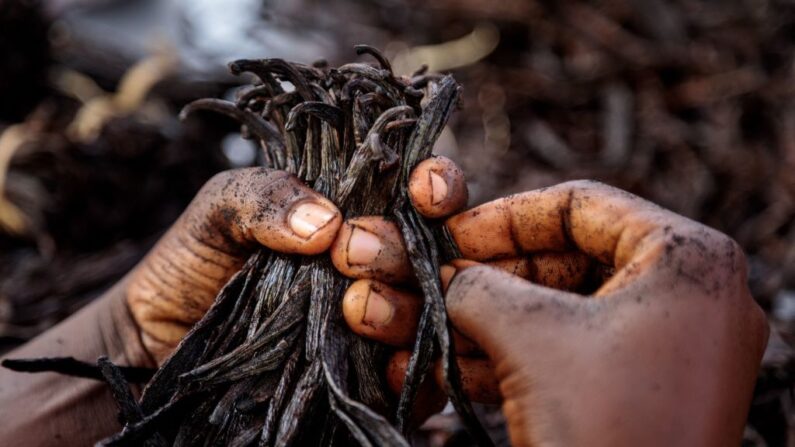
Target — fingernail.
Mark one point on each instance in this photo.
(363, 247)
(377, 310)
(307, 218)
(438, 188)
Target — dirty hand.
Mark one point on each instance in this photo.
(234, 213)
(663, 352)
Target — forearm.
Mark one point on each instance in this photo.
(51, 409)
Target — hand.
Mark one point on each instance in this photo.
(234, 213)
(664, 352)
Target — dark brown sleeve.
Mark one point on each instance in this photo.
(48, 409)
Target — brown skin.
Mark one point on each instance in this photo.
(430, 397)
(664, 353)
(398, 327)
(140, 320)
(389, 263)
(234, 213)
(438, 187)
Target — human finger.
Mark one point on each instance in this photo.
(437, 187)
(477, 379)
(430, 399)
(562, 271)
(245, 207)
(233, 214)
(371, 247)
(382, 313)
(603, 222)
(388, 315)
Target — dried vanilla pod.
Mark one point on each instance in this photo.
(272, 363)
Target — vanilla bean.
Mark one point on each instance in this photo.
(272, 363)
(71, 367)
(129, 410)
(367, 49)
(128, 407)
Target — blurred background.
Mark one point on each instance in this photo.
(689, 103)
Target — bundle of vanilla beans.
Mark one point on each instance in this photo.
(271, 362)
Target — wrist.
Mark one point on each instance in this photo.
(33, 407)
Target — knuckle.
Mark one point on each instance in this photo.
(736, 254)
(225, 179)
(758, 328)
(242, 182)
(704, 255)
(585, 184)
(763, 327)
(217, 181)
(583, 187)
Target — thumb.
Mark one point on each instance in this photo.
(529, 333)
(234, 213)
(508, 317)
(247, 207)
